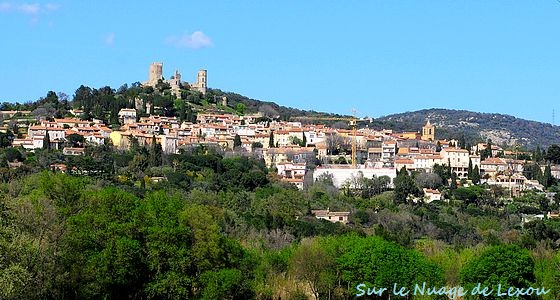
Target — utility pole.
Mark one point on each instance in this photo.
(354, 150)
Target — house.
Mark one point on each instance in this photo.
(426, 162)
(404, 162)
(458, 159)
(493, 165)
(332, 216)
(389, 149)
(127, 115)
(431, 195)
(73, 151)
(292, 172)
(552, 214)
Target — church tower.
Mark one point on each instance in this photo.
(428, 132)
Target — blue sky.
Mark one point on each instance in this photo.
(380, 57)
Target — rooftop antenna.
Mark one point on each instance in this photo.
(553, 118)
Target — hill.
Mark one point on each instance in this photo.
(267, 108)
(502, 129)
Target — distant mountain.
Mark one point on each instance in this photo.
(502, 129)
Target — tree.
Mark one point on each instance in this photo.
(76, 140)
(256, 145)
(462, 143)
(470, 170)
(83, 98)
(47, 141)
(156, 153)
(487, 152)
(295, 140)
(13, 154)
(428, 180)
(105, 260)
(304, 141)
(476, 175)
(312, 264)
(271, 139)
(237, 141)
(505, 265)
(453, 184)
(240, 108)
(405, 186)
(376, 262)
(6, 139)
(553, 154)
(546, 178)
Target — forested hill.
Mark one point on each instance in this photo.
(268, 108)
(502, 129)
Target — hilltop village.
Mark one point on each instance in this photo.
(299, 152)
(170, 189)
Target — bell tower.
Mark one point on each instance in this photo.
(428, 132)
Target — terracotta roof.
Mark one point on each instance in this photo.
(493, 161)
(404, 161)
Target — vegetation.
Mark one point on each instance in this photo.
(223, 227)
(142, 224)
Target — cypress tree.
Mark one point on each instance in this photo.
(476, 175)
(453, 184)
(47, 141)
(271, 139)
(237, 141)
(155, 153)
(470, 170)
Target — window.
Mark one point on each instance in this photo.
(340, 218)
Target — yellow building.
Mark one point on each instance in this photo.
(428, 132)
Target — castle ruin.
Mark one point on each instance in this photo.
(156, 74)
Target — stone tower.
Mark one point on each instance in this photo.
(428, 132)
(201, 81)
(156, 73)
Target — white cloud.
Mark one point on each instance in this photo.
(30, 9)
(196, 40)
(109, 39)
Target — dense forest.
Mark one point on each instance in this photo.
(224, 227)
